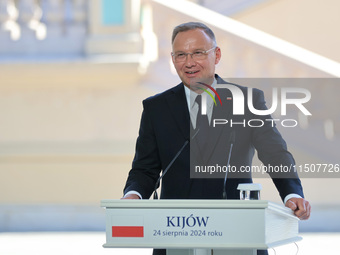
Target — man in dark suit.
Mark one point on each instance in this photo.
(171, 118)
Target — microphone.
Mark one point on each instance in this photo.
(231, 141)
(155, 195)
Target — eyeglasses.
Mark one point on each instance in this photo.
(197, 55)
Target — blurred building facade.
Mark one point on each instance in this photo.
(73, 74)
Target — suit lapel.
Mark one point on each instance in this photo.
(179, 109)
(178, 106)
(219, 112)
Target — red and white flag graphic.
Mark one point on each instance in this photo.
(127, 226)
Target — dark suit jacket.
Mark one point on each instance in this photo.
(165, 126)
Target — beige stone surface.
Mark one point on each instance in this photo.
(310, 24)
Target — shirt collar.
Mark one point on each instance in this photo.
(191, 96)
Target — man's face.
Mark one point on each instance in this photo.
(191, 71)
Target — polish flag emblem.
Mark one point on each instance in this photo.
(127, 226)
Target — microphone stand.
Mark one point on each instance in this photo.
(232, 141)
(155, 195)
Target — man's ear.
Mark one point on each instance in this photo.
(218, 55)
(172, 58)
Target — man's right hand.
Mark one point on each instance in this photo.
(131, 196)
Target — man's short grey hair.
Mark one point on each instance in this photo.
(191, 26)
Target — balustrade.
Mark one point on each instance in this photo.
(33, 27)
(8, 19)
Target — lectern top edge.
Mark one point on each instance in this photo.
(185, 203)
(196, 204)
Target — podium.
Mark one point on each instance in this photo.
(199, 227)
